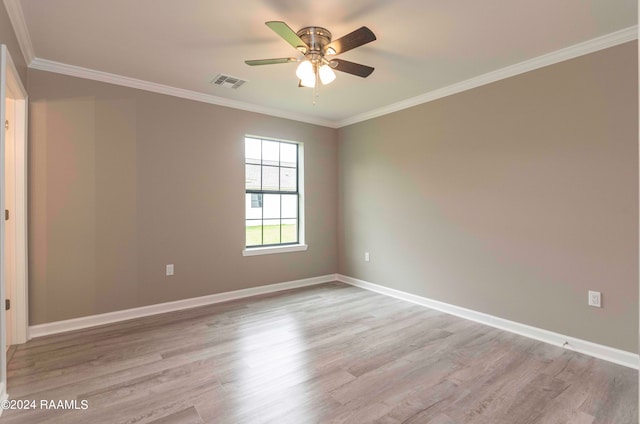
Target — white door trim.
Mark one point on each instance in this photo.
(17, 92)
(11, 86)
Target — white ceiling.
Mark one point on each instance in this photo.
(422, 45)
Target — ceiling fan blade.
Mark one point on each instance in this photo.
(288, 35)
(270, 61)
(357, 38)
(351, 68)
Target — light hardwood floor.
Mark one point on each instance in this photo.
(325, 354)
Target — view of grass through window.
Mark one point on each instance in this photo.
(271, 234)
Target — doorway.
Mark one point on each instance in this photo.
(13, 198)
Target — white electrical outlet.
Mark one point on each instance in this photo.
(170, 269)
(595, 299)
(366, 256)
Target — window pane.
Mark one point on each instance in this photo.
(250, 211)
(288, 154)
(289, 231)
(270, 178)
(288, 179)
(253, 177)
(271, 231)
(271, 205)
(256, 200)
(289, 206)
(252, 149)
(270, 153)
(253, 233)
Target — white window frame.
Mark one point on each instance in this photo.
(301, 245)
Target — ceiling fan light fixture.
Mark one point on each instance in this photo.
(305, 71)
(326, 74)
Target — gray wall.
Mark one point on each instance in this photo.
(122, 182)
(512, 199)
(8, 37)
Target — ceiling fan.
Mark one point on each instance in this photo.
(319, 51)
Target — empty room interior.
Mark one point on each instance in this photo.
(277, 211)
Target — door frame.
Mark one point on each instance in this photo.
(11, 87)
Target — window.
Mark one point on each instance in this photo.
(272, 193)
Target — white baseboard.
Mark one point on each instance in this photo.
(617, 356)
(144, 311)
(606, 353)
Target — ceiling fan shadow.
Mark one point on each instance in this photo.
(363, 8)
(284, 6)
(226, 43)
(394, 56)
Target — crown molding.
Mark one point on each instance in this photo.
(571, 52)
(77, 71)
(14, 10)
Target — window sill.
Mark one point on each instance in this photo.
(254, 251)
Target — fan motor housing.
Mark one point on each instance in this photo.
(315, 37)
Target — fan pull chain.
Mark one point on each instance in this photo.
(315, 85)
(313, 93)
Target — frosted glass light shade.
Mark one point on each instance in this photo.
(305, 71)
(309, 82)
(326, 74)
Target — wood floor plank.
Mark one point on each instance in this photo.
(186, 416)
(324, 354)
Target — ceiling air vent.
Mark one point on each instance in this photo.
(228, 81)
